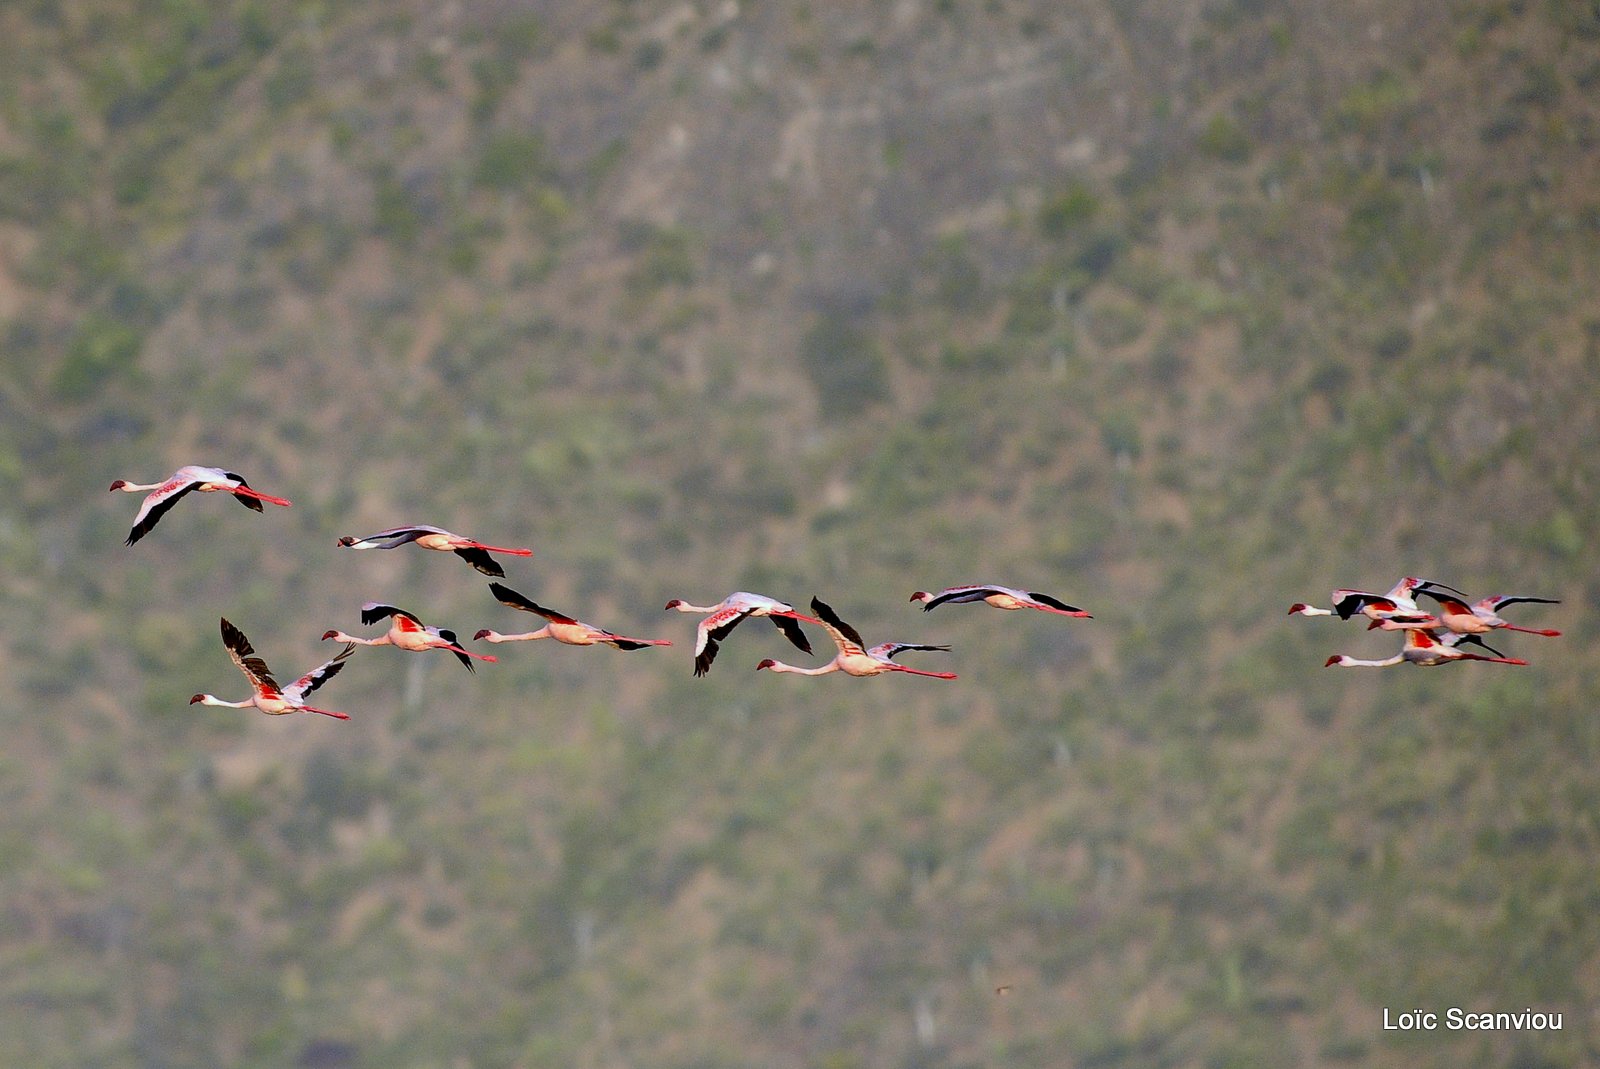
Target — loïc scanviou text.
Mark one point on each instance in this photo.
(1456, 1019)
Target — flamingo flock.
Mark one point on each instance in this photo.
(1431, 638)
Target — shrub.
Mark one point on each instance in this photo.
(1224, 140)
(844, 365)
(101, 347)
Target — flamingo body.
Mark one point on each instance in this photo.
(267, 695)
(853, 658)
(1001, 597)
(723, 617)
(1424, 649)
(161, 496)
(408, 633)
(1395, 610)
(473, 552)
(1482, 617)
(560, 626)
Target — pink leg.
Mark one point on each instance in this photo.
(1547, 633)
(499, 549)
(920, 672)
(325, 712)
(491, 658)
(798, 616)
(1496, 660)
(245, 491)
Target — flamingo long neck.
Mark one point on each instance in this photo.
(212, 699)
(139, 488)
(820, 670)
(1312, 610)
(1355, 662)
(684, 606)
(340, 636)
(530, 636)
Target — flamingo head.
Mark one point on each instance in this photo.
(1298, 606)
(481, 635)
(921, 595)
(326, 635)
(673, 604)
(348, 540)
(768, 663)
(197, 698)
(119, 484)
(1337, 658)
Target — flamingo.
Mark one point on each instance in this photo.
(852, 659)
(1001, 597)
(727, 614)
(163, 495)
(1422, 648)
(408, 633)
(560, 627)
(1396, 610)
(1482, 617)
(269, 697)
(473, 552)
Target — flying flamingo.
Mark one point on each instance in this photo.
(269, 697)
(1395, 610)
(852, 659)
(560, 627)
(1421, 648)
(727, 614)
(164, 495)
(408, 633)
(1001, 597)
(474, 553)
(1482, 617)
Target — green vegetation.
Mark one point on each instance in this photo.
(1181, 327)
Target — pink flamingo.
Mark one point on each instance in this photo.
(728, 613)
(1396, 610)
(165, 494)
(473, 552)
(408, 633)
(560, 626)
(1424, 649)
(1001, 597)
(1483, 617)
(853, 659)
(269, 697)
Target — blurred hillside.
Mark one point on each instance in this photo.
(1181, 312)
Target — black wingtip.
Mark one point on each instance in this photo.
(481, 560)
